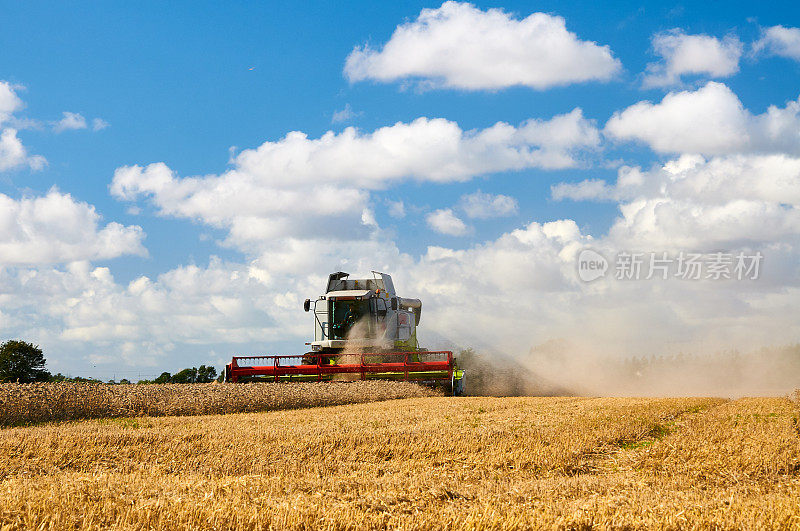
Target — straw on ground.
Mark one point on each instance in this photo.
(416, 463)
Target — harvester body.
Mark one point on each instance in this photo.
(362, 330)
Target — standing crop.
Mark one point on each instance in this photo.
(29, 403)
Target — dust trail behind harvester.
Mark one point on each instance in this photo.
(767, 371)
(493, 374)
(565, 368)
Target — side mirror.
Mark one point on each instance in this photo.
(394, 303)
(307, 304)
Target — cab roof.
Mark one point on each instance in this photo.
(350, 294)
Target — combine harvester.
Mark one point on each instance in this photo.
(362, 331)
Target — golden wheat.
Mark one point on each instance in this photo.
(469, 463)
(30, 403)
(418, 463)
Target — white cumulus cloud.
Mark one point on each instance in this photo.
(144, 322)
(480, 205)
(461, 46)
(710, 120)
(285, 188)
(55, 228)
(73, 121)
(9, 101)
(692, 54)
(397, 209)
(589, 189)
(692, 202)
(345, 115)
(444, 221)
(13, 153)
(780, 41)
(430, 149)
(69, 121)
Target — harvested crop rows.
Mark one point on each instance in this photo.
(416, 463)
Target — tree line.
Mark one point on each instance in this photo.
(24, 362)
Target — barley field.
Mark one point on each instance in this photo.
(417, 463)
(41, 402)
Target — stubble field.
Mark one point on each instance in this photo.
(416, 463)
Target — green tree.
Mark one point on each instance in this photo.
(60, 378)
(206, 374)
(79, 379)
(23, 362)
(185, 376)
(203, 374)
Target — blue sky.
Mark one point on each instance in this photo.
(190, 83)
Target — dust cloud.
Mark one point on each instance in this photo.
(564, 368)
(358, 340)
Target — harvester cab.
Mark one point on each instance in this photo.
(363, 314)
(362, 330)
